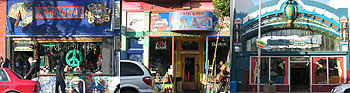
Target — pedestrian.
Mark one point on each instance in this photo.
(60, 77)
(3, 63)
(32, 73)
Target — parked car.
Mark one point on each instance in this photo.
(114, 84)
(11, 82)
(135, 78)
(344, 88)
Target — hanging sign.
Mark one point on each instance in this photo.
(260, 43)
(292, 41)
(24, 46)
(74, 58)
(191, 20)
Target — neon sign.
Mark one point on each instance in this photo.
(59, 12)
(191, 20)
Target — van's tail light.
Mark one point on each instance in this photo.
(147, 80)
(36, 87)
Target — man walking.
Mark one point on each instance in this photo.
(33, 69)
(60, 77)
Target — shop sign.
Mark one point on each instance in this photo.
(191, 20)
(59, 17)
(292, 41)
(220, 44)
(136, 22)
(59, 12)
(161, 45)
(259, 43)
(159, 21)
(24, 46)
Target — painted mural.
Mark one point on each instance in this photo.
(20, 14)
(92, 83)
(98, 14)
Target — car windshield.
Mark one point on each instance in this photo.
(19, 76)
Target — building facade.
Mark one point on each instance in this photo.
(305, 46)
(79, 32)
(173, 37)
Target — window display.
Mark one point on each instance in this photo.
(264, 71)
(160, 55)
(319, 70)
(279, 70)
(79, 57)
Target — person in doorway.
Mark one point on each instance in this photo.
(3, 63)
(19, 64)
(60, 77)
(32, 74)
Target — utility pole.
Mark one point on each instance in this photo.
(259, 49)
(232, 40)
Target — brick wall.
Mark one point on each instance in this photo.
(2, 27)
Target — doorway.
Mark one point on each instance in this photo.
(300, 77)
(189, 71)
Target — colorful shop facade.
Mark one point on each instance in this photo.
(305, 46)
(173, 42)
(78, 32)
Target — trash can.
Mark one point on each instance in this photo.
(233, 86)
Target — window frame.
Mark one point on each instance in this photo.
(8, 77)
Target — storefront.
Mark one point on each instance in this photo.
(305, 47)
(74, 31)
(175, 44)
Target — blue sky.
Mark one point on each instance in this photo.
(257, 1)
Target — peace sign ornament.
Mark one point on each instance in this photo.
(71, 58)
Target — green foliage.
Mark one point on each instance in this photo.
(222, 8)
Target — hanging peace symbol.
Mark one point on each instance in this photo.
(71, 58)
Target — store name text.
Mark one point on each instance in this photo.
(59, 12)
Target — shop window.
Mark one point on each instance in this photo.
(86, 56)
(160, 58)
(223, 48)
(319, 70)
(264, 71)
(335, 65)
(279, 70)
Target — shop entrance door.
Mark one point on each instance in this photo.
(300, 77)
(189, 71)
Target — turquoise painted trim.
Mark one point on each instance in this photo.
(341, 48)
(257, 18)
(301, 11)
(285, 53)
(256, 29)
(173, 56)
(206, 56)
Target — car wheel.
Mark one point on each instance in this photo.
(129, 91)
(347, 91)
(12, 92)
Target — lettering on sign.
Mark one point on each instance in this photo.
(161, 45)
(191, 20)
(292, 41)
(59, 12)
